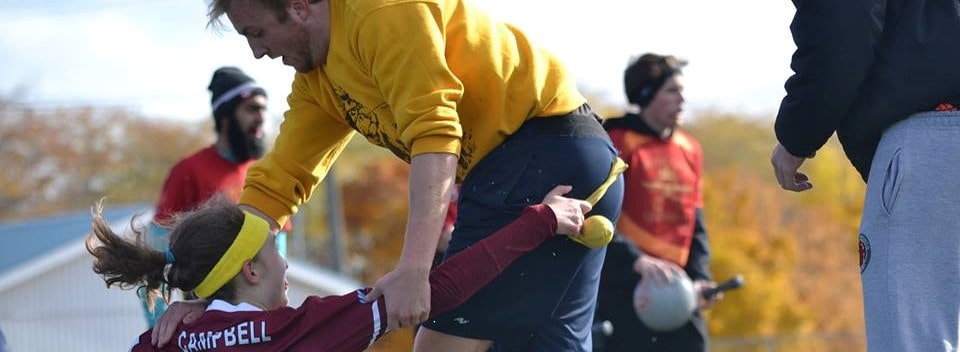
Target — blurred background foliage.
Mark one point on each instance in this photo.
(798, 252)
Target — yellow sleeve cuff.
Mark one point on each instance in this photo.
(263, 202)
(435, 144)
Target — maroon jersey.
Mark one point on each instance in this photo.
(347, 323)
(333, 324)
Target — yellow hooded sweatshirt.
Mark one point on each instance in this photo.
(412, 76)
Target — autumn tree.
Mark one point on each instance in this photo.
(65, 158)
(375, 212)
(797, 251)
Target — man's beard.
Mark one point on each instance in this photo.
(243, 146)
(307, 61)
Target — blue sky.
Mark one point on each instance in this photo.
(157, 56)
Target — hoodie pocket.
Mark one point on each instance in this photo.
(892, 180)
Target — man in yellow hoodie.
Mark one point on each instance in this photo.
(462, 98)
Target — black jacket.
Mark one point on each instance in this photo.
(863, 65)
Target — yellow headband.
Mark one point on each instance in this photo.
(251, 238)
(618, 167)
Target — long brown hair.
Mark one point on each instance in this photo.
(198, 239)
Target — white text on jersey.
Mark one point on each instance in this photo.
(246, 333)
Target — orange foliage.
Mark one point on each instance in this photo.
(797, 251)
(375, 211)
(64, 159)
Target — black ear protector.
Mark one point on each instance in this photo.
(648, 92)
(645, 68)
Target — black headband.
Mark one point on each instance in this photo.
(646, 94)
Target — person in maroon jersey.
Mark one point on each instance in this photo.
(228, 257)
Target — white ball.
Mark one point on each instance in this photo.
(668, 306)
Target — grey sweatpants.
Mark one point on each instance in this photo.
(910, 237)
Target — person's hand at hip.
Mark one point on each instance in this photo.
(569, 212)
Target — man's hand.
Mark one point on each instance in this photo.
(785, 166)
(569, 211)
(701, 285)
(177, 312)
(658, 270)
(407, 288)
(408, 296)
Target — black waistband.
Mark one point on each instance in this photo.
(581, 122)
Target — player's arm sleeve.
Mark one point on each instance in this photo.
(698, 264)
(311, 138)
(414, 78)
(462, 275)
(627, 249)
(333, 323)
(836, 44)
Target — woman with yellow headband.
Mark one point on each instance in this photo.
(229, 258)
